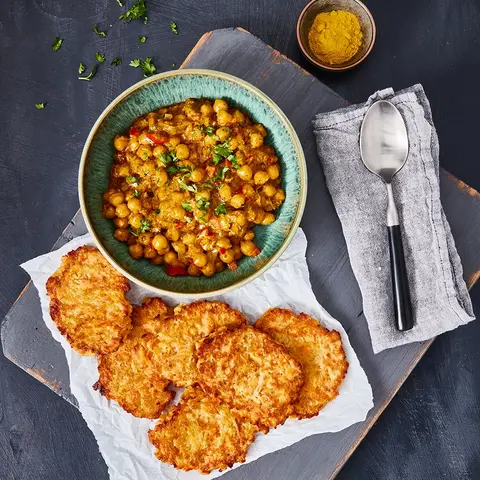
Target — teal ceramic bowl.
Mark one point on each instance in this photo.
(166, 89)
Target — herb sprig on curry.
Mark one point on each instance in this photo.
(188, 183)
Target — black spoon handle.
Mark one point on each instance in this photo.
(401, 292)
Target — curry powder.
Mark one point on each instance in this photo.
(335, 37)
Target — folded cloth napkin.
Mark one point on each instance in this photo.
(439, 295)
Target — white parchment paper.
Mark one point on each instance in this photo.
(122, 438)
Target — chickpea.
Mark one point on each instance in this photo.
(135, 220)
(224, 117)
(259, 216)
(182, 151)
(149, 252)
(205, 194)
(197, 175)
(220, 104)
(160, 243)
(109, 211)
(200, 260)
(261, 129)
(148, 168)
(121, 235)
(144, 152)
(173, 142)
(159, 150)
(233, 143)
(280, 196)
(219, 266)
(260, 177)
(161, 176)
(123, 170)
(120, 142)
(121, 222)
(132, 240)
(224, 242)
(228, 256)
(245, 173)
(250, 235)
(256, 140)
(157, 260)
(172, 234)
(145, 238)
(206, 109)
(269, 218)
(122, 211)
(133, 144)
(179, 247)
(134, 205)
(210, 140)
(269, 190)
(248, 190)
(240, 219)
(170, 258)
(116, 199)
(222, 133)
(237, 201)
(224, 222)
(237, 253)
(108, 193)
(194, 271)
(225, 192)
(208, 270)
(189, 238)
(248, 248)
(135, 251)
(178, 213)
(239, 116)
(143, 139)
(273, 171)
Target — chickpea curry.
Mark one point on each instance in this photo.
(187, 184)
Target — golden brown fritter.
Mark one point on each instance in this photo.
(201, 433)
(251, 373)
(87, 302)
(129, 375)
(318, 350)
(153, 312)
(177, 336)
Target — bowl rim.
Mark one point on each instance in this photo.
(333, 68)
(301, 161)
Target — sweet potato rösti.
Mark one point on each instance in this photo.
(87, 302)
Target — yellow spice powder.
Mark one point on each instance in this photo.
(335, 37)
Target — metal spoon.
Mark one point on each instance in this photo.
(384, 151)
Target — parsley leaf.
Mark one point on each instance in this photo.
(116, 61)
(135, 63)
(190, 188)
(234, 161)
(216, 159)
(136, 193)
(208, 130)
(57, 43)
(99, 32)
(187, 207)
(130, 179)
(100, 57)
(145, 226)
(39, 106)
(224, 150)
(219, 209)
(142, 39)
(81, 68)
(203, 204)
(148, 67)
(90, 75)
(221, 174)
(172, 170)
(136, 11)
(174, 28)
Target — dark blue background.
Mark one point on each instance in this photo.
(431, 429)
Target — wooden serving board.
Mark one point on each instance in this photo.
(28, 343)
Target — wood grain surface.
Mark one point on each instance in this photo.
(432, 426)
(27, 342)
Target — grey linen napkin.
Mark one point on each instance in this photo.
(439, 295)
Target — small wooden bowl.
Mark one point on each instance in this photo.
(367, 24)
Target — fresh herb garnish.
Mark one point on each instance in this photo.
(131, 179)
(81, 68)
(116, 61)
(172, 170)
(208, 130)
(142, 39)
(57, 43)
(157, 211)
(120, 3)
(90, 75)
(145, 226)
(147, 66)
(39, 106)
(132, 231)
(206, 185)
(136, 11)
(219, 209)
(190, 188)
(224, 150)
(136, 193)
(100, 57)
(221, 174)
(187, 207)
(234, 161)
(99, 32)
(174, 28)
(203, 203)
(216, 159)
